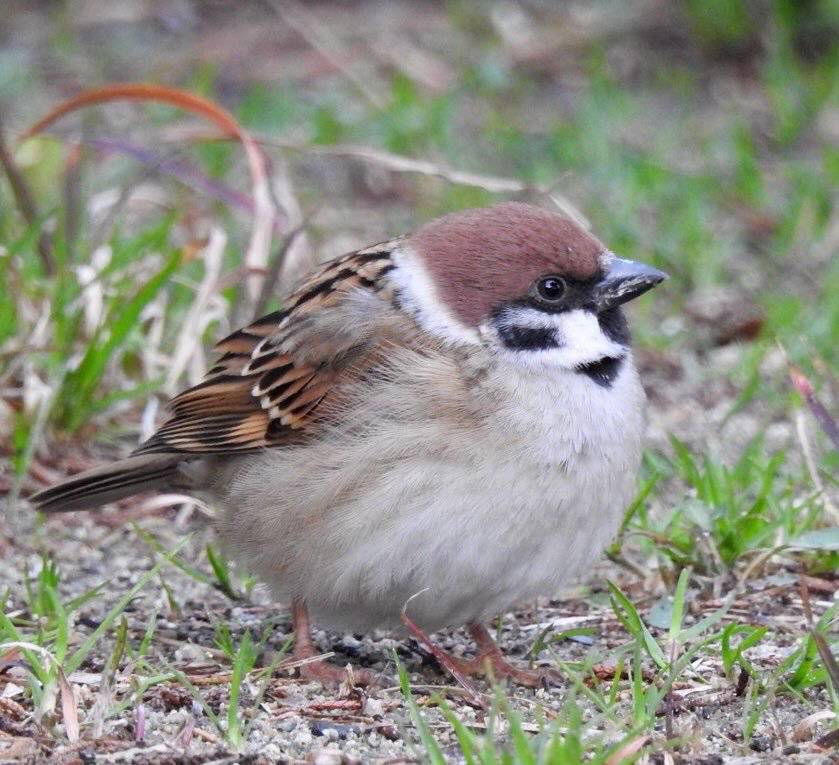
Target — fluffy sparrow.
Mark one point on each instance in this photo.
(454, 413)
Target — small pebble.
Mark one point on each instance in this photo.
(330, 730)
(288, 725)
(302, 736)
(188, 652)
(328, 757)
(350, 641)
(373, 707)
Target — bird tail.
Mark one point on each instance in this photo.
(109, 483)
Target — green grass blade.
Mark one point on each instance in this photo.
(432, 748)
(221, 569)
(679, 604)
(124, 317)
(628, 615)
(75, 661)
(190, 571)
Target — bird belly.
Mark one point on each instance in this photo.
(463, 525)
(471, 549)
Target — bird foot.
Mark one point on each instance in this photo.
(310, 662)
(332, 675)
(488, 663)
(494, 666)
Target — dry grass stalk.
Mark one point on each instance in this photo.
(805, 388)
(69, 708)
(205, 308)
(321, 39)
(25, 201)
(256, 256)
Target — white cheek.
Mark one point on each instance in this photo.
(419, 299)
(581, 340)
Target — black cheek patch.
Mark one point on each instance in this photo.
(518, 338)
(613, 324)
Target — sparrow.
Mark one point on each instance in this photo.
(451, 418)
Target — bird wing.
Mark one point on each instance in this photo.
(274, 374)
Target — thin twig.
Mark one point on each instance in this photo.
(273, 276)
(402, 164)
(328, 45)
(812, 468)
(805, 388)
(397, 163)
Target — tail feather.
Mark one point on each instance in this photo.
(110, 482)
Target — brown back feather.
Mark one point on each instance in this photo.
(273, 374)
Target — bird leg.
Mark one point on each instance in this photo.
(455, 667)
(319, 669)
(489, 662)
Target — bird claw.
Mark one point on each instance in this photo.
(333, 675)
(496, 667)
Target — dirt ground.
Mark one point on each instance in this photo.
(301, 720)
(305, 722)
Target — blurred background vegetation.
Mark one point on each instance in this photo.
(701, 136)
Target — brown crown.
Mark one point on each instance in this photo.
(481, 258)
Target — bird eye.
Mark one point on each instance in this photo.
(550, 288)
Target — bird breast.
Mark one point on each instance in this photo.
(476, 485)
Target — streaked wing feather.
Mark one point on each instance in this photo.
(266, 386)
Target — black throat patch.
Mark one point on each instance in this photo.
(520, 337)
(614, 325)
(603, 372)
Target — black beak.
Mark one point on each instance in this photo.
(624, 281)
